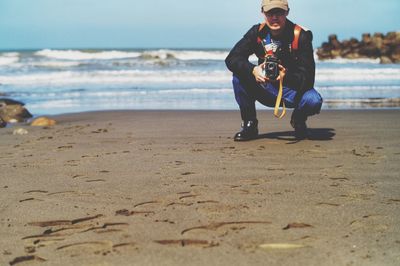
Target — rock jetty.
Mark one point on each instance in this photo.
(385, 47)
(12, 111)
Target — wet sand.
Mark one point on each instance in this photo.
(173, 188)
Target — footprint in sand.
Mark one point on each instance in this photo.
(60, 230)
(187, 242)
(125, 212)
(95, 180)
(96, 247)
(64, 222)
(26, 258)
(30, 199)
(65, 147)
(215, 226)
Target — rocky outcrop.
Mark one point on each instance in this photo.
(385, 47)
(12, 111)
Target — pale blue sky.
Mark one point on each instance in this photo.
(37, 24)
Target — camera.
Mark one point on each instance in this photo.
(271, 67)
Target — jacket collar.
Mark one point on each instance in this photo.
(287, 32)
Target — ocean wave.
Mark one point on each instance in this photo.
(156, 55)
(8, 58)
(57, 104)
(341, 60)
(357, 74)
(323, 76)
(359, 92)
(189, 98)
(82, 55)
(351, 61)
(55, 64)
(166, 54)
(115, 77)
(127, 93)
(363, 103)
(360, 87)
(148, 54)
(199, 55)
(10, 54)
(123, 94)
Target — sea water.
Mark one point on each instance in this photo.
(64, 81)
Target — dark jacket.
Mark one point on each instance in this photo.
(300, 65)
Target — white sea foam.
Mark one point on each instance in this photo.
(11, 54)
(204, 55)
(196, 91)
(199, 55)
(184, 54)
(357, 74)
(82, 55)
(150, 54)
(115, 77)
(359, 88)
(57, 104)
(150, 77)
(196, 98)
(56, 64)
(350, 61)
(8, 58)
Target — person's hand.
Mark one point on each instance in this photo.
(282, 73)
(258, 73)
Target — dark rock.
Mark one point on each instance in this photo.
(386, 50)
(345, 52)
(366, 38)
(334, 42)
(370, 51)
(353, 56)
(327, 46)
(386, 47)
(385, 60)
(354, 43)
(2, 123)
(395, 56)
(13, 111)
(377, 40)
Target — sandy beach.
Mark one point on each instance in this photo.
(173, 188)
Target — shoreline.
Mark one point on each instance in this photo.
(173, 188)
(261, 109)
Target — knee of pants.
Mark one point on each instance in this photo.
(236, 84)
(237, 87)
(311, 102)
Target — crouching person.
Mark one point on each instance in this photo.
(290, 46)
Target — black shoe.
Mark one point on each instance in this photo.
(249, 131)
(300, 129)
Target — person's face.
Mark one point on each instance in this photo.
(276, 19)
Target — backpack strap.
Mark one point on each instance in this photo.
(262, 25)
(296, 32)
(295, 43)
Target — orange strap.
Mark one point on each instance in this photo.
(296, 31)
(295, 43)
(262, 25)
